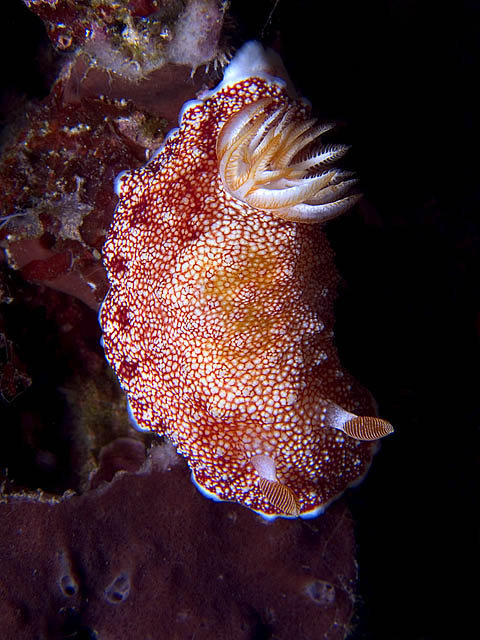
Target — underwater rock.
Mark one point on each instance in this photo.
(145, 556)
(131, 38)
(128, 71)
(57, 203)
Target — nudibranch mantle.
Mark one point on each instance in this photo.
(219, 318)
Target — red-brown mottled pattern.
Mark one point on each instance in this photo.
(219, 322)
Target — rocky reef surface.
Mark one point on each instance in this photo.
(144, 555)
(124, 71)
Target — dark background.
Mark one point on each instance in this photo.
(400, 78)
(401, 75)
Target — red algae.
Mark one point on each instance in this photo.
(115, 96)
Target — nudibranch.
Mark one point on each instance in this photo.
(219, 318)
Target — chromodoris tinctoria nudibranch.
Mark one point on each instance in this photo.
(219, 318)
